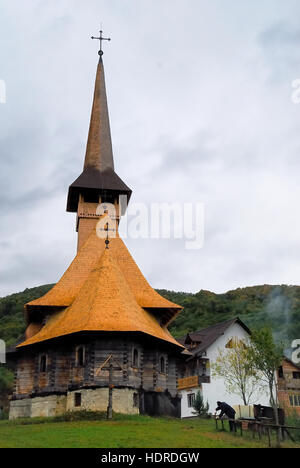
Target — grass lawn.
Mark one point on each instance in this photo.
(121, 432)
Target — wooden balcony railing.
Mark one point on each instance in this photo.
(193, 381)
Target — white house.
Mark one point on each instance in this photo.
(195, 375)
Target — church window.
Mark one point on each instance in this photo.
(43, 363)
(162, 365)
(77, 399)
(80, 356)
(135, 358)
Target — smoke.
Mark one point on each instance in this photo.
(278, 314)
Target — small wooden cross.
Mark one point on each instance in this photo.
(101, 39)
(108, 364)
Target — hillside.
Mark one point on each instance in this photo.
(274, 306)
(277, 306)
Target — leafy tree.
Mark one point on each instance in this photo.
(201, 408)
(234, 366)
(266, 358)
(6, 381)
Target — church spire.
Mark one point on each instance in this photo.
(99, 153)
(98, 183)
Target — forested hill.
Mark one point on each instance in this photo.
(278, 306)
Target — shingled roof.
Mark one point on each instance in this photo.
(66, 290)
(98, 172)
(104, 303)
(206, 337)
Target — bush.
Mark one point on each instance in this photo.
(201, 409)
(294, 420)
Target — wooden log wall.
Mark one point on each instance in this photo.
(64, 373)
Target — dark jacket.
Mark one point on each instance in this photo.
(226, 409)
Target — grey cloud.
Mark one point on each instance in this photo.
(206, 126)
(280, 47)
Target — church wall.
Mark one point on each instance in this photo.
(61, 371)
(172, 379)
(97, 400)
(44, 393)
(20, 409)
(25, 373)
(125, 401)
(38, 407)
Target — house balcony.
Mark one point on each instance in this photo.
(192, 381)
(288, 384)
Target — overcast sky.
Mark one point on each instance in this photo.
(200, 105)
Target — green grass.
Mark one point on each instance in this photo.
(121, 432)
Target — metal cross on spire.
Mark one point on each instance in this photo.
(101, 39)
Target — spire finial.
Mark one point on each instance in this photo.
(101, 39)
(107, 239)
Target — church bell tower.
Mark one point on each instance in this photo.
(98, 183)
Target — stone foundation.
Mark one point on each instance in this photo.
(125, 401)
(51, 405)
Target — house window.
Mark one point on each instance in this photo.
(80, 356)
(43, 363)
(136, 400)
(296, 375)
(77, 399)
(191, 400)
(162, 365)
(229, 345)
(135, 358)
(295, 400)
(280, 373)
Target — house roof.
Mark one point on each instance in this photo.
(64, 293)
(206, 337)
(297, 366)
(105, 303)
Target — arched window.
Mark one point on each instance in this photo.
(135, 358)
(162, 365)
(43, 363)
(80, 356)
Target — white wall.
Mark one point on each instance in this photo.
(215, 390)
(187, 412)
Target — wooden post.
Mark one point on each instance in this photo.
(269, 436)
(259, 432)
(278, 436)
(110, 384)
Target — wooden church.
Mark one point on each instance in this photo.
(101, 330)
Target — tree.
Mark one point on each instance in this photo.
(266, 357)
(201, 409)
(6, 381)
(236, 368)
